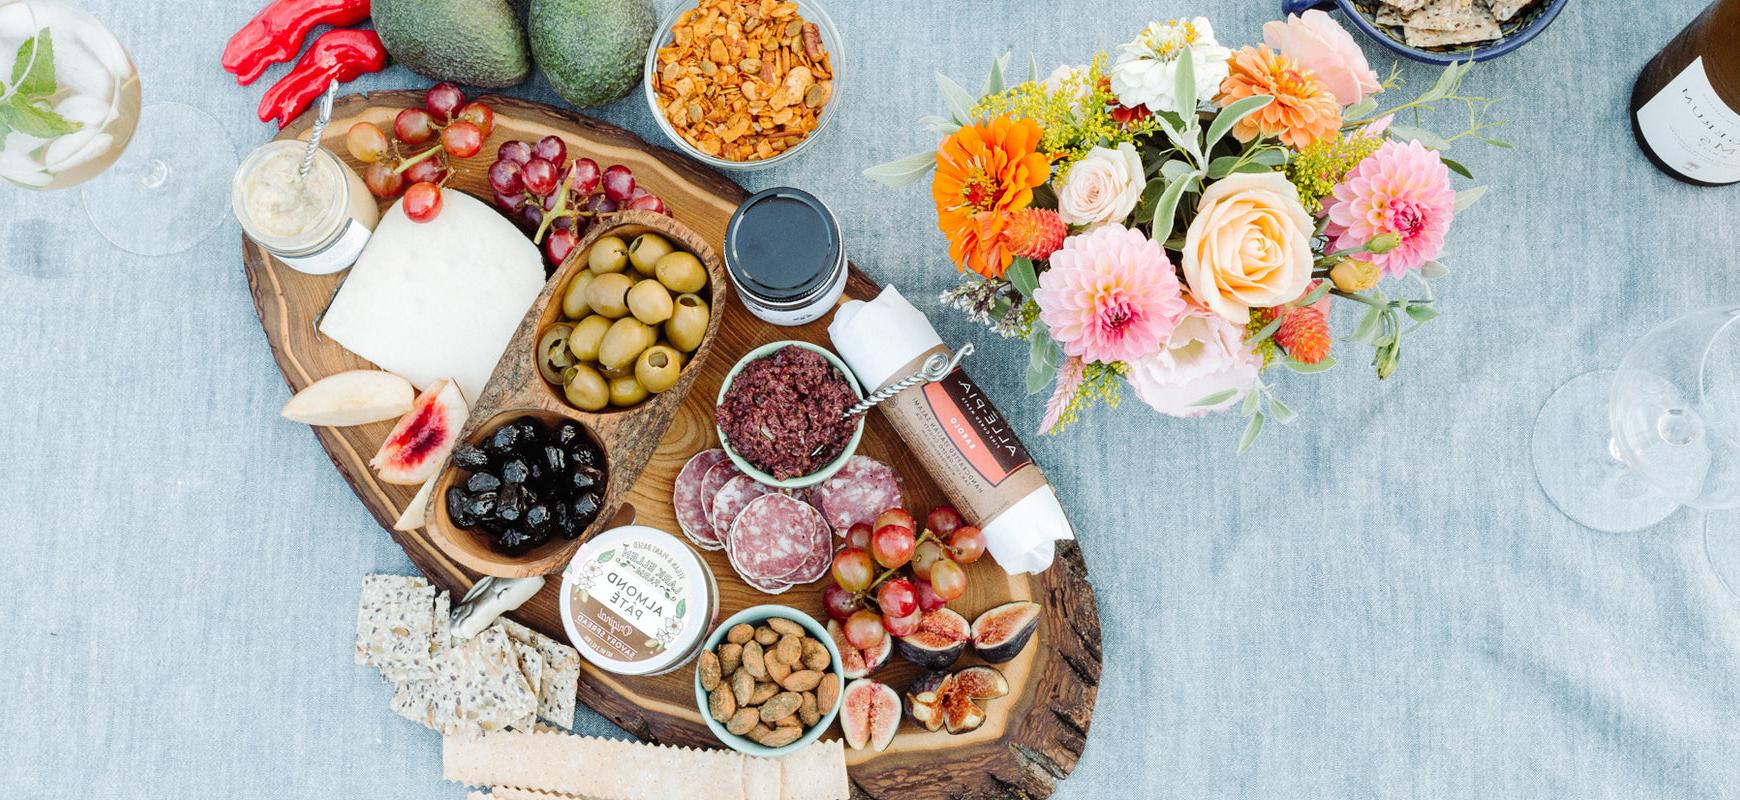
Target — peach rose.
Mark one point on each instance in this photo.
(1249, 246)
(1319, 44)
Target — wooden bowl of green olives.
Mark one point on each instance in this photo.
(613, 343)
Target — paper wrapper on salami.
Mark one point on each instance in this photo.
(971, 451)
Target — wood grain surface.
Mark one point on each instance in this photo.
(1032, 738)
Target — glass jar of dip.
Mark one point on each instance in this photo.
(316, 223)
(637, 601)
(785, 256)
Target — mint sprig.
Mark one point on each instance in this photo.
(28, 109)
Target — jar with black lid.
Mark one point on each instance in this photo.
(785, 256)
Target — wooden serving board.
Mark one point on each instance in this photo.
(1032, 738)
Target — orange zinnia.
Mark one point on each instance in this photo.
(985, 171)
(1304, 110)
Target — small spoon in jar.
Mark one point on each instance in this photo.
(934, 369)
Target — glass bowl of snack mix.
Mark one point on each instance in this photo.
(744, 84)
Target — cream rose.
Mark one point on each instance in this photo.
(1250, 245)
(1102, 187)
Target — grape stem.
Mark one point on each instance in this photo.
(412, 161)
(864, 596)
(553, 214)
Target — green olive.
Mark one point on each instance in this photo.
(650, 302)
(608, 254)
(608, 294)
(626, 391)
(646, 250)
(574, 304)
(625, 339)
(681, 272)
(658, 367)
(610, 374)
(688, 323)
(586, 388)
(587, 336)
(553, 353)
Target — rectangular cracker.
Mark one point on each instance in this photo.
(817, 772)
(513, 793)
(592, 767)
(761, 779)
(1449, 15)
(1390, 15)
(1503, 10)
(532, 669)
(443, 632)
(1405, 6)
(395, 627)
(1433, 37)
(478, 688)
(557, 696)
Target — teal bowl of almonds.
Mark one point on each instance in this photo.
(768, 681)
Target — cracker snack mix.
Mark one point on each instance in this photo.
(743, 80)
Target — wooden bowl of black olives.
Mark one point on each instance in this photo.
(588, 385)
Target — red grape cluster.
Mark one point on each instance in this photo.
(919, 573)
(556, 199)
(456, 128)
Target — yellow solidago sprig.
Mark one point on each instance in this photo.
(1321, 165)
(1073, 112)
(1097, 382)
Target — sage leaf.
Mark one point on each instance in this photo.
(1434, 270)
(1216, 399)
(1403, 133)
(959, 102)
(994, 81)
(902, 171)
(1231, 115)
(1303, 368)
(1251, 430)
(1265, 332)
(1317, 292)
(1468, 197)
(1167, 208)
(1280, 411)
(1043, 356)
(1022, 276)
(1184, 89)
(1456, 167)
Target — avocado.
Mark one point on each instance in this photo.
(592, 51)
(474, 42)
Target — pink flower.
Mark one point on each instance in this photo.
(1402, 189)
(1204, 356)
(1324, 47)
(1110, 295)
(1069, 377)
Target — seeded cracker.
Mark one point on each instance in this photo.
(395, 628)
(478, 687)
(559, 689)
(1483, 30)
(1503, 10)
(1449, 15)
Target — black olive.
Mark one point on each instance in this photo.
(526, 429)
(584, 454)
(515, 471)
(503, 440)
(538, 518)
(583, 480)
(567, 433)
(586, 507)
(513, 540)
(469, 457)
(555, 459)
(510, 503)
(482, 482)
(456, 508)
(481, 506)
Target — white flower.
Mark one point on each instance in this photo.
(1204, 356)
(1147, 69)
(1102, 187)
(1054, 82)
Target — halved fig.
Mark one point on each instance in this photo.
(855, 663)
(869, 714)
(424, 437)
(941, 637)
(1003, 632)
(960, 713)
(924, 700)
(356, 397)
(980, 683)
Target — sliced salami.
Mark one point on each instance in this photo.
(690, 503)
(771, 537)
(820, 555)
(768, 587)
(863, 488)
(716, 476)
(731, 499)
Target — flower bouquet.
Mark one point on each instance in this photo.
(1178, 218)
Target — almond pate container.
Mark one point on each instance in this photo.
(638, 601)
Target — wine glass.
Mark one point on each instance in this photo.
(1622, 450)
(155, 179)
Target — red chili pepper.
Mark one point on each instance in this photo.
(276, 33)
(341, 54)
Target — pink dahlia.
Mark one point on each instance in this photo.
(1110, 295)
(1402, 189)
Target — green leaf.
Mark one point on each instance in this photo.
(35, 78)
(1174, 170)
(1231, 115)
(1042, 359)
(1468, 197)
(902, 171)
(1368, 325)
(1184, 89)
(1422, 312)
(1251, 430)
(1402, 133)
(1317, 292)
(1223, 166)
(1280, 411)
(1360, 110)
(1216, 399)
(604, 557)
(939, 124)
(32, 117)
(1150, 195)
(1167, 207)
(994, 81)
(682, 606)
(1265, 332)
(1022, 276)
(1434, 270)
(959, 102)
(1303, 368)
(1032, 68)
(1178, 137)
(1253, 397)
(1272, 157)
(1456, 167)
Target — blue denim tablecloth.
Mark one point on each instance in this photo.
(1376, 601)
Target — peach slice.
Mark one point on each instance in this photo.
(357, 397)
(424, 437)
(415, 514)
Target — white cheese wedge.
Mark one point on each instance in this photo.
(438, 299)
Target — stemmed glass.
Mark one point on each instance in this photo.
(155, 180)
(1622, 450)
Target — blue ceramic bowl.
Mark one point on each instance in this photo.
(1517, 32)
(801, 481)
(755, 615)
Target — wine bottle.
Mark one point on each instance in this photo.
(1685, 107)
